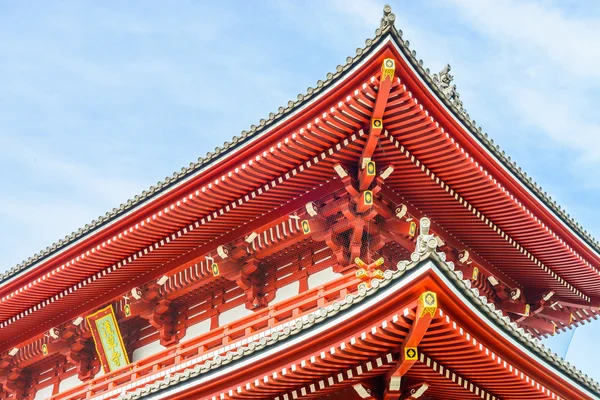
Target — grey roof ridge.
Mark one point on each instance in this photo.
(218, 154)
(387, 26)
(294, 327)
(511, 327)
(483, 137)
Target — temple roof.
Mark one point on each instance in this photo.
(421, 264)
(450, 99)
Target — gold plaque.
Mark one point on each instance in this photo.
(215, 269)
(305, 227)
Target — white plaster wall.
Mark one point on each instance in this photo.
(44, 393)
(69, 383)
(286, 292)
(233, 314)
(146, 351)
(197, 329)
(322, 277)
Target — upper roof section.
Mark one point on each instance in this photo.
(439, 96)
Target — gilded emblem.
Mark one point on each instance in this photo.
(412, 229)
(388, 69)
(377, 123)
(368, 197)
(411, 353)
(371, 168)
(428, 304)
(305, 227)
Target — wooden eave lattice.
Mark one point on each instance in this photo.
(443, 168)
(468, 351)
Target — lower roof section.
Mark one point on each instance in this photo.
(468, 350)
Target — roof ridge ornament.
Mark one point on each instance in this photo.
(444, 81)
(388, 17)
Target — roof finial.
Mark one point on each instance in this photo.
(388, 17)
(444, 80)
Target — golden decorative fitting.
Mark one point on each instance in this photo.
(305, 227)
(378, 274)
(412, 230)
(127, 310)
(475, 273)
(388, 68)
(362, 274)
(411, 353)
(428, 304)
(215, 269)
(371, 170)
(527, 310)
(368, 198)
(377, 123)
(360, 262)
(45, 349)
(368, 271)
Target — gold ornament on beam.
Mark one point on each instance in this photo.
(368, 198)
(412, 229)
(368, 271)
(411, 353)
(428, 304)
(305, 227)
(371, 169)
(388, 68)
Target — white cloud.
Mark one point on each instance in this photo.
(570, 43)
(543, 62)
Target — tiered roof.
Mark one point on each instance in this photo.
(444, 163)
(520, 383)
(449, 99)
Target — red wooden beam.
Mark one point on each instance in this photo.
(409, 354)
(388, 68)
(414, 392)
(517, 307)
(186, 260)
(556, 315)
(449, 240)
(366, 391)
(541, 325)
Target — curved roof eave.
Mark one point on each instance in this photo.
(390, 285)
(476, 132)
(195, 169)
(386, 31)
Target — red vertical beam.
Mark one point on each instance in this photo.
(409, 354)
(388, 68)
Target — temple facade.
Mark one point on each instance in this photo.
(366, 241)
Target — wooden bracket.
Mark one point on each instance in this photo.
(366, 391)
(386, 80)
(82, 354)
(18, 384)
(409, 353)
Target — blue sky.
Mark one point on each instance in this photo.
(100, 100)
